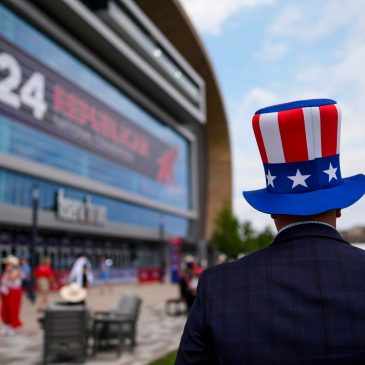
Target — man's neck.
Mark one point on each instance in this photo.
(328, 217)
(304, 222)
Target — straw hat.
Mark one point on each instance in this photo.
(73, 293)
(189, 258)
(12, 260)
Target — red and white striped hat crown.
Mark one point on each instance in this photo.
(299, 134)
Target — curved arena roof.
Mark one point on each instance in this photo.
(172, 20)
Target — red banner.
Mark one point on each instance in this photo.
(148, 275)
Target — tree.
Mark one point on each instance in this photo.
(226, 237)
(264, 238)
(233, 238)
(258, 240)
(247, 234)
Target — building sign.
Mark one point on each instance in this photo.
(80, 211)
(33, 94)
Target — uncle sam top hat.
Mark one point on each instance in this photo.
(299, 144)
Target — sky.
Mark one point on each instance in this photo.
(266, 52)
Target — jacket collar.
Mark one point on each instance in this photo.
(308, 230)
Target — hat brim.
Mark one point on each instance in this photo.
(310, 203)
(11, 260)
(73, 297)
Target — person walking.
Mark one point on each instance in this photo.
(11, 295)
(301, 299)
(186, 292)
(27, 280)
(104, 274)
(81, 271)
(44, 277)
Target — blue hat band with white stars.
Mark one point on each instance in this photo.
(305, 176)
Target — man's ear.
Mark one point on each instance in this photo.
(338, 213)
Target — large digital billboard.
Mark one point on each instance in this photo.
(33, 94)
(56, 110)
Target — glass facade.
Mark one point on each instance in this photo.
(33, 142)
(28, 142)
(16, 189)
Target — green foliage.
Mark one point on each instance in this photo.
(168, 359)
(233, 238)
(258, 240)
(226, 237)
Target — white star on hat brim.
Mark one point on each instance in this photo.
(299, 179)
(331, 172)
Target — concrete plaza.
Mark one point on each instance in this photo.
(157, 333)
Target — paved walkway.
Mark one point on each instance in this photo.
(157, 334)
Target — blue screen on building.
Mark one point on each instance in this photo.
(57, 96)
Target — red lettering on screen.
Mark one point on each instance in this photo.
(80, 111)
(83, 112)
(166, 172)
(71, 104)
(105, 126)
(144, 147)
(141, 145)
(124, 136)
(58, 95)
(93, 119)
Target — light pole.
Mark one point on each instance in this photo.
(35, 207)
(161, 234)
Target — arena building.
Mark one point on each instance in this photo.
(113, 134)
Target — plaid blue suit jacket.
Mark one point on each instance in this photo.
(299, 301)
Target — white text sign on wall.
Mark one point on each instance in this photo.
(77, 211)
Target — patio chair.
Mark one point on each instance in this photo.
(118, 324)
(175, 306)
(65, 333)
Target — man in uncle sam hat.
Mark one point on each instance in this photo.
(301, 300)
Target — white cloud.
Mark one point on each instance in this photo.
(304, 24)
(287, 20)
(209, 16)
(272, 51)
(311, 23)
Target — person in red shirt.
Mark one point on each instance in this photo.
(11, 296)
(44, 276)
